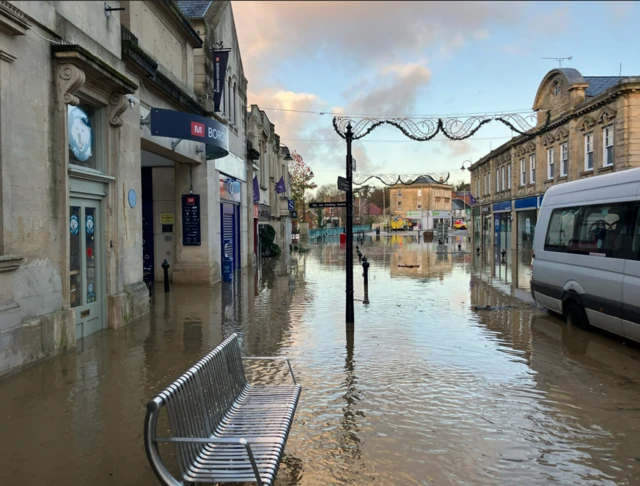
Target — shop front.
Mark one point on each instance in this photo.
(486, 228)
(526, 210)
(502, 227)
(230, 204)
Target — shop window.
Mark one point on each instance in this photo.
(588, 151)
(607, 154)
(84, 124)
(564, 159)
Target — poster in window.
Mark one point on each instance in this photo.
(80, 134)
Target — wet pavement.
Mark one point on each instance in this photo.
(430, 391)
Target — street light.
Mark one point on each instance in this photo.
(464, 196)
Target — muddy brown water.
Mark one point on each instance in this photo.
(430, 391)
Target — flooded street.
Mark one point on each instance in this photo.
(430, 391)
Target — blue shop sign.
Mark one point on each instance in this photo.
(527, 203)
(502, 207)
(80, 134)
(186, 126)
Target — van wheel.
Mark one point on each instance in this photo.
(576, 316)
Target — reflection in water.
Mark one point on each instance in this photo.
(427, 391)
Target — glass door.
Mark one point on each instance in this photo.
(85, 266)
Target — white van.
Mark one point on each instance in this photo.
(586, 251)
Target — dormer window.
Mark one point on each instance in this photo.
(556, 88)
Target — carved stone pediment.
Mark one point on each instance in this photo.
(587, 124)
(548, 140)
(607, 115)
(531, 147)
(561, 134)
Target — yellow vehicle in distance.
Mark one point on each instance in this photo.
(398, 223)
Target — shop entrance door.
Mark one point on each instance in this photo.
(86, 266)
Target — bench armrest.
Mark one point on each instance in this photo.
(274, 358)
(215, 440)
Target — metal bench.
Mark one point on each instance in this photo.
(223, 429)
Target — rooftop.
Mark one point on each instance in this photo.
(194, 8)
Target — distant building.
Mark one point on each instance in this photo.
(594, 130)
(424, 197)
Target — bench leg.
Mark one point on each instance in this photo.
(252, 459)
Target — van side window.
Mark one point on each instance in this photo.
(604, 229)
(561, 229)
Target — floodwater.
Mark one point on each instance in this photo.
(429, 391)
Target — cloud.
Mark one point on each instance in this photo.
(459, 148)
(395, 93)
(619, 12)
(361, 33)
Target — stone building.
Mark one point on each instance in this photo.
(424, 198)
(71, 232)
(215, 24)
(270, 162)
(594, 129)
(97, 188)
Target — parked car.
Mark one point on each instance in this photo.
(586, 252)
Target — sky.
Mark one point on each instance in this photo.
(386, 58)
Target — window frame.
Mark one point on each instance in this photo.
(523, 172)
(532, 169)
(509, 176)
(504, 175)
(588, 143)
(605, 154)
(564, 159)
(550, 163)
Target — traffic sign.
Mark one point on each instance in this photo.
(343, 184)
(337, 204)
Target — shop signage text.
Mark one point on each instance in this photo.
(166, 218)
(187, 126)
(338, 204)
(191, 220)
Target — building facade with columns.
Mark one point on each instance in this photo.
(71, 239)
(215, 23)
(594, 129)
(97, 191)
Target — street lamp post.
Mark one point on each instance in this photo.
(349, 317)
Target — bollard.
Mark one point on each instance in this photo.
(165, 267)
(365, 274)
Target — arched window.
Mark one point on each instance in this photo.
(235, 119)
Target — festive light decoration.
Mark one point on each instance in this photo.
(405, 179)
(454, 128)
